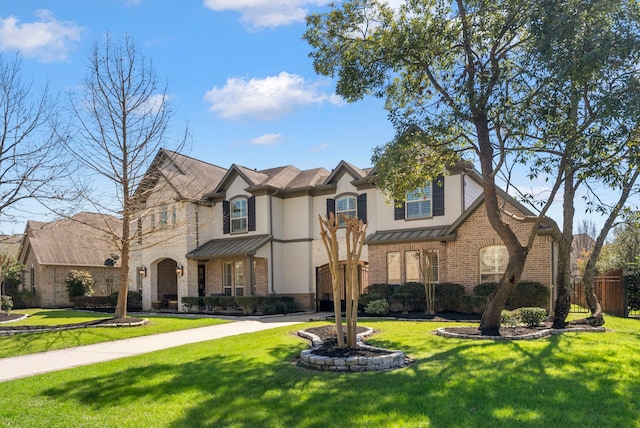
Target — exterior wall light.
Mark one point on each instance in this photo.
(142, 271)
(179, 270)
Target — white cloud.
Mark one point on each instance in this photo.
(267, 98)
(267, 139)
(46, 39)
(261, 14)
(320, 147)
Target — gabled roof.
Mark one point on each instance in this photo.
(190, 178)
(344, 166)
(81, 240)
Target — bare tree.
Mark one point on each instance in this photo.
(31, 163)
(122, 117)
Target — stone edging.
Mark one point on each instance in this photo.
(393, 360)
(10, 331)
(538, 335)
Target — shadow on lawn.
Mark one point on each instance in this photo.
(456, 384)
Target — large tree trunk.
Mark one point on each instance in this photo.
(328, 232)
(490, 321)
(123, 289)
(563, 281)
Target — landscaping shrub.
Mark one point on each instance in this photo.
(93, 302)
(79, 283)
(471, 304)
(484, 289)
(531, 316)
(633, 291)
(193, 302)
(6, 304)
(366, 298)
(527, 294)
(384, 290)
(22, 299)
(449, 296)
(530, 293)
(267, 305)
(377, 307)
(412, 295)
(134, 300)
(509, 318)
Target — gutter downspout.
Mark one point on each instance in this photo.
(271, 263)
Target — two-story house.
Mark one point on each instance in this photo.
(207, 230)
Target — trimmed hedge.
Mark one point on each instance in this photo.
(134, 301)
(266, 305)
(527, 294)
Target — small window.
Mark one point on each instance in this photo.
(418, 203)
(493, 262)
(163, 216)
(238, 215)
(393, 268)
(345, 205)
(239, 278)
(226, 278)
(174, 216)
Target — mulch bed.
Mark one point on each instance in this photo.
(4, 317)
(327, 334)
(109, 322)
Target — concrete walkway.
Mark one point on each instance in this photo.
(33, 364)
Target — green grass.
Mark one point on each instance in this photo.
(571, 380)
(29, 343)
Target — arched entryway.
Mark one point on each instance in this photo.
(167, 281)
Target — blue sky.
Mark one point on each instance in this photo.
(238, 72)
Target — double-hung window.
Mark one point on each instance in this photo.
(345, 206)
(233, 278)
(418, 203)
(238, 215)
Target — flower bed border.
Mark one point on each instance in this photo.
(390, 361)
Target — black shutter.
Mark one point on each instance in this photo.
(251, 214)
(226, 217)
(398, 211)
(362, 207)
(331, 206)
(437, 192)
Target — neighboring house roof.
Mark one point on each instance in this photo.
(10, 244)
(229, 247)
(78, 241)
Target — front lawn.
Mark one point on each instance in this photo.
(570, 380)
(28, 343)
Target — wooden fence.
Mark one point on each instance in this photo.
(611, 290)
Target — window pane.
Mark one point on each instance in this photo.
(418, 209)
(412, 266)
(393, 268)
(493, 262)
(346, 206)
(239, 278)
(238, 215)
(226, 278)
(419, 203)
